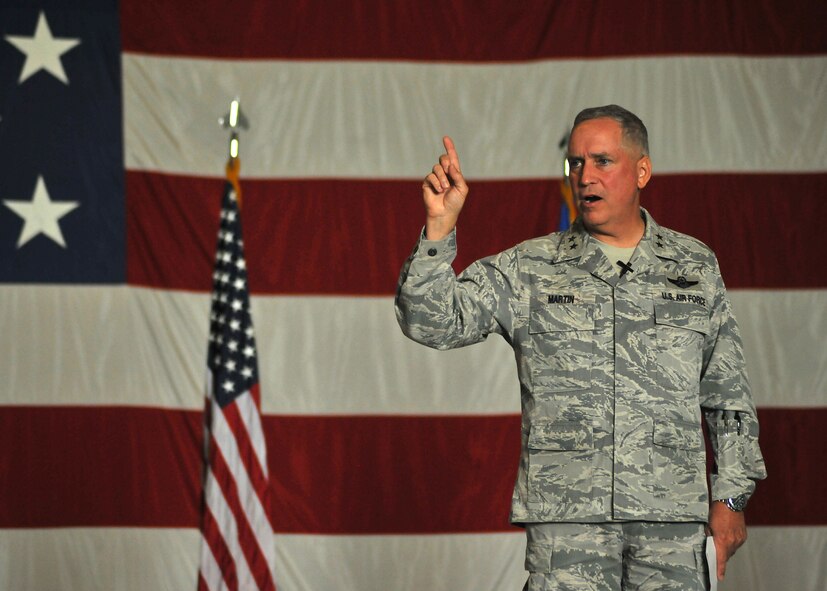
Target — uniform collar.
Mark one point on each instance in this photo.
(656, 243)
(577, 244)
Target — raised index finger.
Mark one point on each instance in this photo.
(453, 157)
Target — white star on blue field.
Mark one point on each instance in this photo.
(62, 204)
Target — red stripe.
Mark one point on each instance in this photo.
(335, 475)
(375, 475)
(794, 444)
(247, 454)
(211, 535)
(255, 392)
(99, 466)
(335, 237)
(247, 540)
(466, 30)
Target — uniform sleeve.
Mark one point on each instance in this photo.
(726, 400)
(436, 308)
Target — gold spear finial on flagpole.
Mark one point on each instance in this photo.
(234, 120)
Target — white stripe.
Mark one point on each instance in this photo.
(478, 562)
(209, 569)
(225, 519)
(247, 495)
(324, 355)
(252, 424)
(777, 558)
(134, 559)
(102, 345)
(385, 119)
(99, 559)
(361, 363)
(784, 345)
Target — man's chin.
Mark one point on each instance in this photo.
(592, 219)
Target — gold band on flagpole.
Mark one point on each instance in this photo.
(233, 171)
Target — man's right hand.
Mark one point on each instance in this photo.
(444, 192)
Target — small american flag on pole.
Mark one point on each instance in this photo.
(236, 534)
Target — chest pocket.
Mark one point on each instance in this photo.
(681, 328)
(681, 316)
(685, 315)
(562, 336)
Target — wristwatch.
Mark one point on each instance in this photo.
(737, 504)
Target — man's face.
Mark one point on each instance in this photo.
(606, 175)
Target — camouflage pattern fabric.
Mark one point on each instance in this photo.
(640, 556)
(615, 370)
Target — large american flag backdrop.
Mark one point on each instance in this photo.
(391, 465)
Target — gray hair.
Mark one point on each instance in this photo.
(633, 128)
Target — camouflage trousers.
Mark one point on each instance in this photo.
(638, 555)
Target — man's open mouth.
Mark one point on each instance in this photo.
(591, 198)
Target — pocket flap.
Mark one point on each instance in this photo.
(547, 436)
(678, 434)
(682, 315)
(554, 317)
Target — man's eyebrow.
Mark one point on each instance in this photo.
(593, 155)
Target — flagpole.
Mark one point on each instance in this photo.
(234, 120)
(237, 545)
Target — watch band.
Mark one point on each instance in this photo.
(736, 504)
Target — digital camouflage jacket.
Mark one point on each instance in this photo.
(616, 371)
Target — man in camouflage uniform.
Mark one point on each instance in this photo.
(624, 339)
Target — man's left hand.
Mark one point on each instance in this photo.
(729, 532)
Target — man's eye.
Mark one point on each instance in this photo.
(603, 161)
(575, 164)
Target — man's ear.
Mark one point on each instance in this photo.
(644, 171)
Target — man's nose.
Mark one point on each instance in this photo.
(586, 174)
